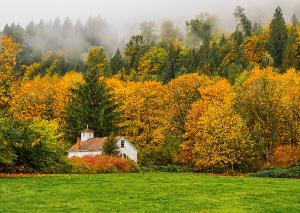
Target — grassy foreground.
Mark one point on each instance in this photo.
(149, 192)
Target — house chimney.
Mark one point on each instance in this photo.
(78, 142)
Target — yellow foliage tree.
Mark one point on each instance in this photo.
(143, 117)
(153, 62)
(43, 97)
(269, 102)
(255, 48)
(216, 136)
(8, 60)
(181, 93)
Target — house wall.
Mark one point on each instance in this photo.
(86, 135)
(81, 154)
(128, 149)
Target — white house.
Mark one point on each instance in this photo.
(89, 145)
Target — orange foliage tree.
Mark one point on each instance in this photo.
(285, 156)
(254, 48)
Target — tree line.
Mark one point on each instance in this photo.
(163, 55)
(217, 104)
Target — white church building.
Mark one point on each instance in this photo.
(87, 144)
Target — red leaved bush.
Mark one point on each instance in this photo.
(101, 164)
(285, 156)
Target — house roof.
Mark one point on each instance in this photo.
(92, 144)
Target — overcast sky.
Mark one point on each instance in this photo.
(122, 13)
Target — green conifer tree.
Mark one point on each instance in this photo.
(90, 103)
(278, 37)
(116, 62)
(110, 146)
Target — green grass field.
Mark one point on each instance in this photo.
(149, 192)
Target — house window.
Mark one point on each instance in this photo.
(124, 155)
(122, 143)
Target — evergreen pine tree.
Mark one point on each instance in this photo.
(172, 65)
(295, 21)
(96, 60)
(116, 62)
(110, 146)
(93, 104)
(278, 37)
(243, 21)
(290, 56)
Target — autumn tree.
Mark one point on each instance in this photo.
(31, 147)
(216, 136)
(144, 121)
(153, 62)
(8, 60)
(181, 93)
(269, 103)
(254, 48)
(44, 97)
(96, 60)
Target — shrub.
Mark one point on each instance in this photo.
(34, 147)
(110, 146)
(101, 164)
(285, 156)
(293, 172)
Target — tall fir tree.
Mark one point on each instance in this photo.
(291, 58)
(135, 49)
(295, 21)
(243, 21)
(278, 37)
(172, 66)
(96, 60)
(116, 63)
(91, 103)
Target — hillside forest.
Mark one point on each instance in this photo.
(201, 98)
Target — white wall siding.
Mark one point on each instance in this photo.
(86, 135)
(81, 154)
(128, 150)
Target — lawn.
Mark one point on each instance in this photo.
(149, 192)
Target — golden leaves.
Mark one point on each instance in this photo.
(43, 97)
(8, 60)
(216, 136)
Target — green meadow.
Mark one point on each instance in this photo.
(148, 192)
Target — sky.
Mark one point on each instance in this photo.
(124, 14)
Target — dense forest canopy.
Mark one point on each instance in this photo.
(199, 97)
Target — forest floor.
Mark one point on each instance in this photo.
(148, 192)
